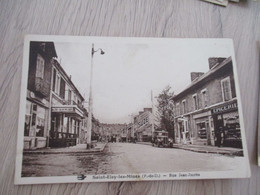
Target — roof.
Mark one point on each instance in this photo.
(204, 77)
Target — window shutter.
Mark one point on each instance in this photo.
(54, 79)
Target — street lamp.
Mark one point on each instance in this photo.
(89, 122)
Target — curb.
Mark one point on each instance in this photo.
(92, 151)
(228, 153)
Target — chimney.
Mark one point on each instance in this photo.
(195, 75)
(141, 112)
(148, 110)
(215, 61)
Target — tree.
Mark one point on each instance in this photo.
(165, 109)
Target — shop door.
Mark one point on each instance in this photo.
(218, 125)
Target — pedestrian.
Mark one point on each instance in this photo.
(218, 136)
(221, 136)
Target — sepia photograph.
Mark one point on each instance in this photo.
(99, 109)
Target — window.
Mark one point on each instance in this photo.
(178, 109)
(184, 106)
(28, 117)
(54, 79)
(39, 66)
(57, 84)
(69, 96)
(226, 89)
(204, 97)
(195, 101)
(62, 88)
(40, 121)
(202, 133)
(34, 120)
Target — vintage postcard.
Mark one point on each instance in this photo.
(258, 130)
(102, 109)
(218, 2)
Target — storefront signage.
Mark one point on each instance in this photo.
(224, 108)
(62, 109)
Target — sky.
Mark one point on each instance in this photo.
(130, 69)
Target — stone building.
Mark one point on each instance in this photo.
(67, 111)
(142, 127)
(206, 111)
(37, 111)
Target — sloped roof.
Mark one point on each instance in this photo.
(205, 76)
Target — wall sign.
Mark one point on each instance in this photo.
(224, 108)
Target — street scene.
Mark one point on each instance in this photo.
(101, 107)
(123, 158)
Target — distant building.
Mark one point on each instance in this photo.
(143, 125)
(206, 112)
(36, 127)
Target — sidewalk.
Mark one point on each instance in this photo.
(80, 148)
(210, 149)
(145, 143)
(205, 149)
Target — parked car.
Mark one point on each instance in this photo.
(123, 139)
(161, 139)
(133, 139)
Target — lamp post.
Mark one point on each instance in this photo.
(90, 111)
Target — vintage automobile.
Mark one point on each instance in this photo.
(123, 138)
(161, 139)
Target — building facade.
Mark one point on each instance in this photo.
(55, 115)
(38, 94)
(142, 127)
(67, 111)
(206, 112)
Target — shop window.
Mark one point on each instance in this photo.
(195, 101)
(204, 97)
(65, 124)
(201, 127)
(39, 66)
(226, 89)
(34, 120)
(40, 122)
(28, 118)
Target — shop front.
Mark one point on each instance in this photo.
(183, 134)
(35, 126)
(203, 129)
(66, 125)
(227, 126)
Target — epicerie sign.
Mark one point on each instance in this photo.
(62, 109)
(224, 108)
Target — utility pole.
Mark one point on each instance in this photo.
(90, 110)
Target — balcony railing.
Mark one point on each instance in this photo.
(62, 135)
(71, 102)
(42, 87)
